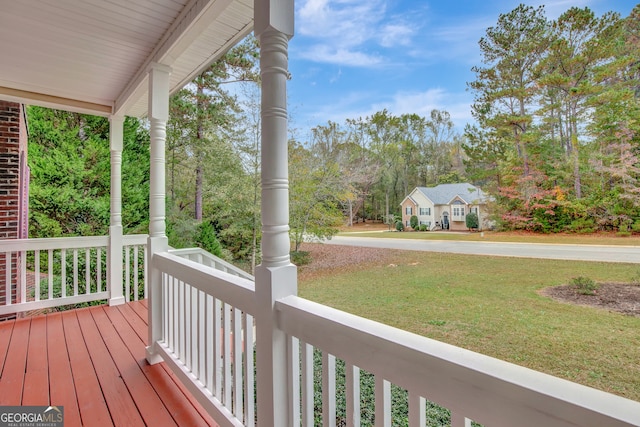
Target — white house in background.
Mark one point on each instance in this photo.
(445, 206)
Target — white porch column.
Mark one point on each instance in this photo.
(276, 277)
(114, 256)
(158, 116)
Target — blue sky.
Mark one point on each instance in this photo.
(352, 58)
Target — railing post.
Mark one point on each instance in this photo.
(158, 116)
(276, 277)
(114, 254)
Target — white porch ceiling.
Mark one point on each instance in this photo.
(92, 56)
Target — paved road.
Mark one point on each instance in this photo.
(629, 254)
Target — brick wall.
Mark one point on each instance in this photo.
(13, 136)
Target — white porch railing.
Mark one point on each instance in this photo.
(207, 325)
(135, 281)
(47, 273)
(472, 386)
(207, 335)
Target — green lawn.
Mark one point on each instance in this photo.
(491, 305)
(574, 239)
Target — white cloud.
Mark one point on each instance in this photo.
(396, 35)
(421, 103)
(348, 22)
(358, 104)
(336, 77)
(459, 41)
(340, 56)
(346, 32)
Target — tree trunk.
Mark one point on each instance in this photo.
(198, 153)
(521, 145)
(577, 184)
(198, 201)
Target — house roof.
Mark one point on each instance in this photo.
(444, 194)
(93, 56)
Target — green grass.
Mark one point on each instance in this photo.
(491, 305)
(573, 239)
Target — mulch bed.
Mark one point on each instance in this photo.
(619, 297)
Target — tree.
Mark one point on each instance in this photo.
(315, 195)
(204, 108)
(505, 88)
(70, 174)
(413, 221)
(249, 148)
(439, 141)
(207, 240)
(580, 43)
(471, 221)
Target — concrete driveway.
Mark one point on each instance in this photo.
(628, 254)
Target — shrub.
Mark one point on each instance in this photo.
(582, 225)
(399, 226)
(472, 221)
(423, 227)
(300, 258)
(585, 285)
(413, 221)
(206, 239)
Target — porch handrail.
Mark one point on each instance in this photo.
(204, 257)
(47, 243)
(135, 239)
(232, 289)
(473, 386)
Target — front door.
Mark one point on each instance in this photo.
(445, 221)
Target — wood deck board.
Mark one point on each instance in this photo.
(61, 387)
(91, 403)
(124, 320)
(12, 380)
(121, 407)
(149, 405)
(6, 330)
(142, 312)
(92, 362)
(141, 308)
(138, 325)
(36, 381)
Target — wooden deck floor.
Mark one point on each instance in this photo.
(92, 362)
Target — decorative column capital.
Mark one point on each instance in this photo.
(158, 86)
(116, 132)
(116, 135)
(273, 14)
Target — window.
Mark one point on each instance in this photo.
(475, 210)
(425, 211)
(407, 224)
(408, 210)
(458, 211)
